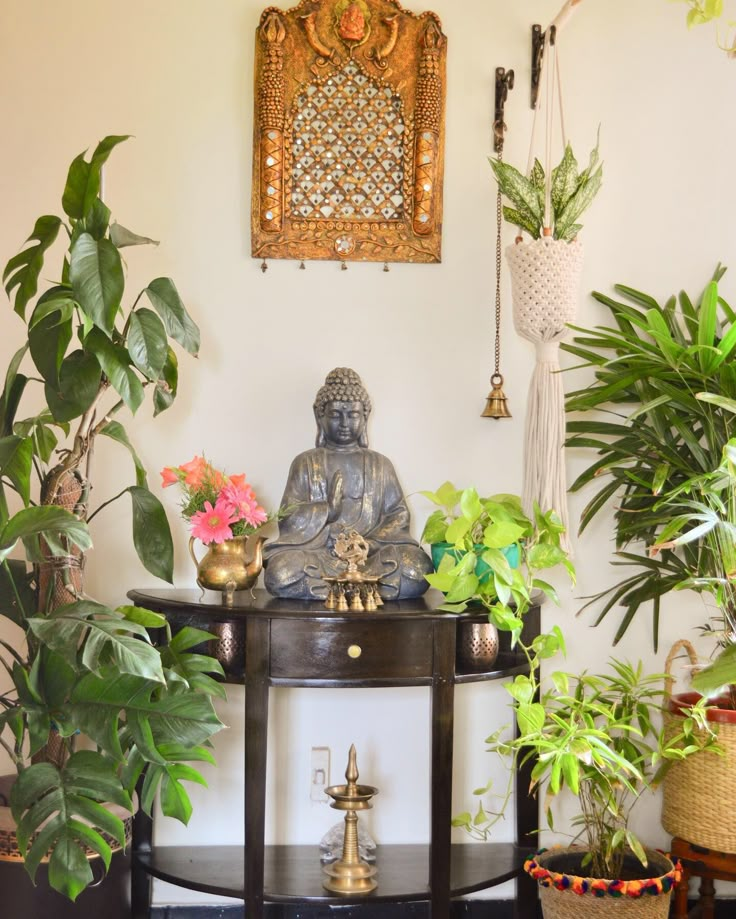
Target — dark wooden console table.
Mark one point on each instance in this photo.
(295, 643)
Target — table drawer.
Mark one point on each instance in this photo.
(375, 650)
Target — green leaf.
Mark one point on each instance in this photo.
(564, 180)
(14, 385)
(179, 325)
(166, 387)
(458, 530)
(47, 802)
(40, 521)
(38, 429)
(470, 505)
(48, 340)
(96, 274)
(115, 431)
(144, 617)
(524, 221)
(519, 190)
(185, 718)
(502, 533)
(16, 582)
(122, 237)
(93, 634)
(79, 383)
(83, 180)
(434, 528)
(578, 204)
(147, 343)
(16, 463)
(531, 717)
(151, 533)
(82, 187)
(96, 221)
(23, 270)
(115, 363)
(708, 317)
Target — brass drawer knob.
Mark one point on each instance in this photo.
(354, 651)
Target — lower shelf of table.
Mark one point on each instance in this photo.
(294, 873)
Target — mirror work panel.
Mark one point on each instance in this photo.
(349, 132)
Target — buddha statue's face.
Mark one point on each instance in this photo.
(342, 423)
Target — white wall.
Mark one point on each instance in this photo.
(178, 75)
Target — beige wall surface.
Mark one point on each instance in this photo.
(177, 74)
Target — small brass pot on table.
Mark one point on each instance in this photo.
(225, 566)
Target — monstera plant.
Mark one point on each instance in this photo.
(83, 668)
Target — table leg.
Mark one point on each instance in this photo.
(257, 643)
(681, 894)
(442, 710)
(707, 898)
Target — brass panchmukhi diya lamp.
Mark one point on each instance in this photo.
(350, 874)
(353, 590)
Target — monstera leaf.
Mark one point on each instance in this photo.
(88, 635)
(57, 812)
(101, 706)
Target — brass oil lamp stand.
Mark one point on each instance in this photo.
(350, 875)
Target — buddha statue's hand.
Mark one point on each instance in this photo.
(334, 497)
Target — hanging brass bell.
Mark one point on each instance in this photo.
(496, 402)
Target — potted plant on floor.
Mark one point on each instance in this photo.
(78, 665)
(666, 375)
(596, 736)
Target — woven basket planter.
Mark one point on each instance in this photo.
(697, 793)
(566, 895)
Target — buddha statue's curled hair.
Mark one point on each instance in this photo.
(342, 385)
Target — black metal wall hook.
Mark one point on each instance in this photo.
(538, 39)
(504, 83)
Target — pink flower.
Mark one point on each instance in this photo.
(238, 497)
(195, 472)
(168, 476)
(213, 523)
(255, 516)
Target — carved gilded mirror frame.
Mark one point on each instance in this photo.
(348, 150)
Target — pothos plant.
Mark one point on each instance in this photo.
(702, 12)
(84, 667)
(481, 528)
(572, 193)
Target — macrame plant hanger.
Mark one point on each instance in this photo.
(496, 403)
(545, 281)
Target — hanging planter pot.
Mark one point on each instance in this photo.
(697, 793)
(566, 893)
(545, 288)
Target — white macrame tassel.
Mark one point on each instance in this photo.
(544, 459)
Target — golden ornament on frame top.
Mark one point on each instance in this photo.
(226, 567)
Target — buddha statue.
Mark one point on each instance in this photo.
(342, 485)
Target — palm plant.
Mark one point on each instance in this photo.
(707, 505)
(651, 432)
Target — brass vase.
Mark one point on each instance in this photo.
(225, 565)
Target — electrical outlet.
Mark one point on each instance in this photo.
(320, 773)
